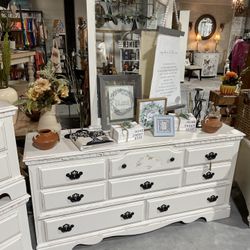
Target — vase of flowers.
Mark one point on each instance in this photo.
(231, 83)
(43, 94)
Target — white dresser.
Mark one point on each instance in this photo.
(14, 228)
(81, 197)
(208, 62)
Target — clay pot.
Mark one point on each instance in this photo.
(46, 139)
(211, 124)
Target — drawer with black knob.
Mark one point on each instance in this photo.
(144, 183)
(80, 171)
(209, 153)
(72, 196)
(92, 221)
(144, 161)
(203, 173)
(174, 204)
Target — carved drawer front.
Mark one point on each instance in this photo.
(94, 220)
(209, 153)
(147, 183)
(72, 173)
(73, 196)
(146, 161)
(2, 137)
(4, 166)
(185, 202)
(9, 227)
(202, 174)
(15, 244)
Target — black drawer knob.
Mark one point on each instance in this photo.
(208, 175)
(127, 215)
(66, 228)
(74, 175)
(212, 198)
(211, 156)
(75, 197)
(172, 159)
(163, 208)
(146, 185)
(124, 165)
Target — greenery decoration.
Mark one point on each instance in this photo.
(6, 57)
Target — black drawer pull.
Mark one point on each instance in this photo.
(124, 165)
(212, 198)
(66, 228)
(163, 208)
(74, 175)
(211, 156)
(208, 175)
(75, 197)
(172, 159)
(127, 215)
(147, 185)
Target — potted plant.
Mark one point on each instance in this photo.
(229, 83)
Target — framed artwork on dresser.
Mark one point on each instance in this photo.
(117, 98)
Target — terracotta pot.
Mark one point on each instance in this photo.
(46, 139)
(211, 124)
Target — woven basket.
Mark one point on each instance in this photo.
(243, 113)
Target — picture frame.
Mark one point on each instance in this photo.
(164, 125)
(117, 98)
(148, 108)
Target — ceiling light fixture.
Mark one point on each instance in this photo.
(238, 6)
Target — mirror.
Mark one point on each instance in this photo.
(205, 26)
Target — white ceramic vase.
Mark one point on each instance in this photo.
(9, 95)
(48, 120)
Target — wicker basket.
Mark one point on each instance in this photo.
(243, 113)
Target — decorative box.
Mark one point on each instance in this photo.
(183, 124)
(127, 133)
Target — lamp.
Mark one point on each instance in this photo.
(238, 6)
(217, 39)
(198, 38)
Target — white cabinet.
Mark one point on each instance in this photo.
(208, 62)
(129, 188)
(14, 226)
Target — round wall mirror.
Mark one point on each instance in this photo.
(205, 26)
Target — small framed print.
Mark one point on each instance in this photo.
(148, 108)
(117, 95)
(164, 125)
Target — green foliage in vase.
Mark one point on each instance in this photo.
(6, 55)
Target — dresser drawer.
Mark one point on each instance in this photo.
(202, 174)
(5, 168)
(93, 221)
(147, 183)
(3, 144)
(73, 196)
(201, 154)
(146, 161)
(9, 227)
(13, 245)
(185, 202)
(60, 175)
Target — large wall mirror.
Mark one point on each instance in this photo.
(205, 26)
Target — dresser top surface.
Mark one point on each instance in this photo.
(65, 148)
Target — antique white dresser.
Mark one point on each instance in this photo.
(14, 228)
(208, 62)
(81, 197)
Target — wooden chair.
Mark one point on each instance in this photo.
(191, 68)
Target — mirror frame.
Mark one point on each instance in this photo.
(213, 29)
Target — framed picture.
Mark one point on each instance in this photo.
(164, 125)
(148, 108)
(117, 98)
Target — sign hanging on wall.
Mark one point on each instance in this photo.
(166, 72)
